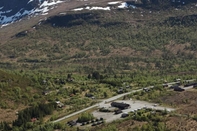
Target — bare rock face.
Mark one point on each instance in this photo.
(13, 10)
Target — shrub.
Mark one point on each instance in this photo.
(85, 117)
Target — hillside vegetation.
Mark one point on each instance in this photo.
(95, 53)
(114, 40)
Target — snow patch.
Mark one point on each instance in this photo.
(100, 8)
(45, 10)
(45, 13)
(4, 25)
(132, 6)
(46, 3)
(78, 9)
(18, 15)
(123, 5)
(114, 3)
(92, 8)
(42, 10)
(87, 8)
(30, 1)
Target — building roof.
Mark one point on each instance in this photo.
(120, 105)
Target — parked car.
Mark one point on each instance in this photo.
(118, 111)
(125, 114)
(72, 123)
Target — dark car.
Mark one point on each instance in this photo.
(124, 115)
(118, 111)
(72, 123)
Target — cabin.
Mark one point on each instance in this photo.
(171, 83)
(174, 86)
(179, 89)
(59, 104)
(191, 84)
(121, 106)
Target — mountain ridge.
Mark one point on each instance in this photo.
(15, 10)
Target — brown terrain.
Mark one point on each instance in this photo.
(8, 31)
(186, 104)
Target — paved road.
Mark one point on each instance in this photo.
(101, 103)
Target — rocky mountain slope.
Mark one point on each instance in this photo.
(13, 10)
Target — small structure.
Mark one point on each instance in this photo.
(188, 81)
(59, 104)
(120, 91)
(121, 106)
(179, 89)
(174, 86)
(146, 89)
(191, 84)
(171, 83)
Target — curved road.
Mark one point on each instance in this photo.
(101, 103)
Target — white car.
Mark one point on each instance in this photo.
(155, 105)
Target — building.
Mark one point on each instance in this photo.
(179, 89)
(59, 104)
(191, 84)
(121, 106)
(174, 86)
(171, 83)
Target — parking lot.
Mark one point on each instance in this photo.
(135, 105)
